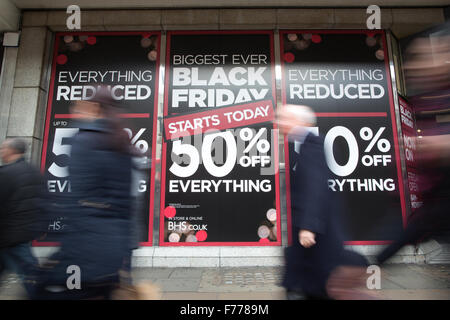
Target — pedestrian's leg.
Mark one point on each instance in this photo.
(23, 262)
(3, 262)
(125, 273)
(415, 230)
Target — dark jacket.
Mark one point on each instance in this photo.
(317, 209)
(21, 189)
(97, 237)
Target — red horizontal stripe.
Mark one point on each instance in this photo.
(368, 242)
(351, 114)
(224, 244)
(134, 115)
(121, 115)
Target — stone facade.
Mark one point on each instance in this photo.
(403, 22)
(31, 74)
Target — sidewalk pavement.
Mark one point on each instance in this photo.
(398, 281)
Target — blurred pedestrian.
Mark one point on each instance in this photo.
(433, 217)
(21, 187)
(317, 245)
(97, 238)
(427, 75)
(139, 220)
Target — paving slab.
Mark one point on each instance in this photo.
(152, 273)
(417, 294)
(278, 295)
(189, 296)
(419, 282)
(186, 273)
(179, 285)
(245, 296)
(389, 285)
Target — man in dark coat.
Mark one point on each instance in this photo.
(317, 244)
(97, 237)
(21, 187)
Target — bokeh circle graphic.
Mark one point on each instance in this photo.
(289, 57)
(61, 59)
(316, 38)
(201, 235)
(91, 40)
(170, 212)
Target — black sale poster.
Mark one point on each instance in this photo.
(219, 165)
(127, 63)
(344, 77)
(409, 135)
